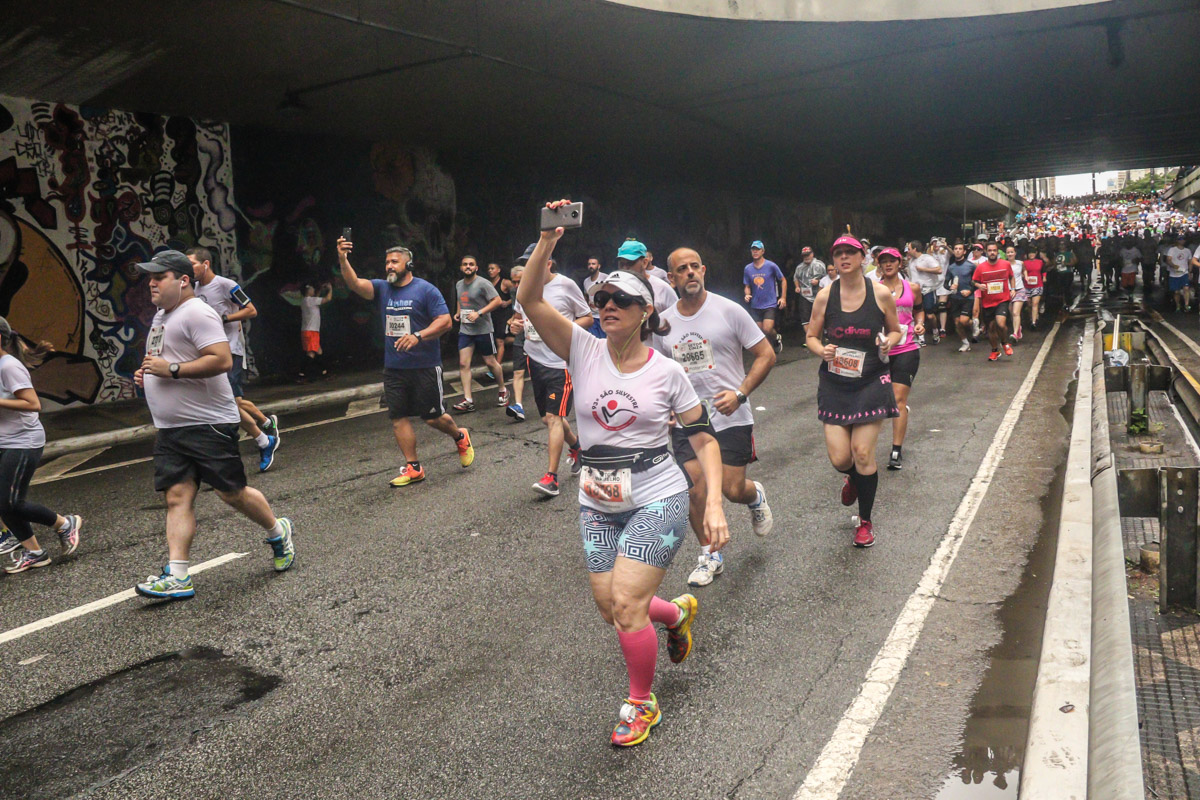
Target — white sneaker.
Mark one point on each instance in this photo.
(965, 348)
(761, 520)
(975, 328)
(710, 566)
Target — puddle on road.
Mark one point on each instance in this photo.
(101, 730)
(989, 765)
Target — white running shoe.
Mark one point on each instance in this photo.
(975, 328)
(966, 347)
(761, 519)
(710, 566)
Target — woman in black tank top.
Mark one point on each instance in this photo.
(854, 393)
(503, 314)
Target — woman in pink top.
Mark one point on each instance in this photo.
(906, 356)
(1033, 269)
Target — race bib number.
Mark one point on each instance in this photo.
(611, 489)
(806, 291)
(154, 342)
(531, 334)
(398, 325)
(995, 287)
(847, 363)
(693, 356)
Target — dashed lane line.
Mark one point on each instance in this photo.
(828, 776)
(96, 605)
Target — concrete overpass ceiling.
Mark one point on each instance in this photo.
(574, 85)
(847, 10)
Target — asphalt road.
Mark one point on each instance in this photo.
(440, 640)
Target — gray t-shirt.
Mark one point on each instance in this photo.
(178, 336)
(472, 297)
(218, 294)
(19, 430)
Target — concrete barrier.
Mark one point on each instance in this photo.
(1056, 751)
(1114, 746)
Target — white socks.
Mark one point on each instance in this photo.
(276, 531)
(261, 440)
(179, 569)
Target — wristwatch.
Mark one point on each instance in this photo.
(417, 334)
(174, 370)
(741, 397)
(224, 318)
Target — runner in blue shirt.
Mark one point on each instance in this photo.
(766, 292)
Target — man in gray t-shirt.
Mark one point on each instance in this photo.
(476, 298)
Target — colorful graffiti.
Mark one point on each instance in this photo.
(85, 194)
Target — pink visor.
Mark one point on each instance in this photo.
(848, 240)
(890, 251)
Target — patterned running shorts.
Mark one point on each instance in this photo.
(651, 534)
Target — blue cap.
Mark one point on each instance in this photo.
(632, 250)
(524, 257)
(757, 245)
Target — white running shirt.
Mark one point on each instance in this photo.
(178, 336)
(629, 410)
(218, 293)
(19, 430)
(564, 295)
(709, 346)
(310, 313)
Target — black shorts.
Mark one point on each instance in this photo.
(736, 443)
(988, 315)
(196, 453)
(235, 376)
(904, 366)
(518, 352)
(551, 388)
(413, 393)
(962, 306)
(761, 314)
(484, 343)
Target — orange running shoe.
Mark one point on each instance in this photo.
(636, 721)
(408, 475)
(466, 453)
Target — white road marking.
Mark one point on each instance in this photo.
(828, 777)
(1183, 337)
(90, 470)
(25, 662)
(96, 605)
(65, 463)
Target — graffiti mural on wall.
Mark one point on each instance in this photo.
(85, 194)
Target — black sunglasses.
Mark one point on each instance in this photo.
(620, 298)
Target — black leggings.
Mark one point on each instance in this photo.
(16, 470)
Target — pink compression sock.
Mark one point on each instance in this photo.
(641, 653)
(663, 612)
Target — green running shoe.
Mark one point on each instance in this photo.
(284, 550)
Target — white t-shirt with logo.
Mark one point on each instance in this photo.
(218, 293)
(1177, 261)
(19, 430)
(630, 410)
(709, 346)
(928, 281)
(564, 296)
(178, 336)
(310, 313)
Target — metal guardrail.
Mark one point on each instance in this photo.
(1114, 747)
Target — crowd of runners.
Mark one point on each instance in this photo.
(650, 362)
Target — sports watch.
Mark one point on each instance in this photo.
(741, 397)
(174, 370)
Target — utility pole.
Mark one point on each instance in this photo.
(1093, 183)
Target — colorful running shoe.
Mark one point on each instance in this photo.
(679, 638)
(70, 537)
(408, 475)
(516, 411)
(547, 485)
(761, 519)
(266, 455)
(464, 406)
(282, 546)
(575, 456)
(995, 356)
(636, 720)
(710, 566)
(1008, 351)
(502, 398)
(28, 560)
(864, 536)
(466, 453)
(166, 587)
(8, 542)
(849, 492)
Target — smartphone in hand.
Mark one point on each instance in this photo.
(568, 216)
(348, 234)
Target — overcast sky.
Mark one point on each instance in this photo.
(1075, 185)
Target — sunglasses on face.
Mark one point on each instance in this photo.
(620, 298)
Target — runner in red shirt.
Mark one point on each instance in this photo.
(1033, 277)
(993, 279)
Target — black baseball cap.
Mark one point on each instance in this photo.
(169, 260)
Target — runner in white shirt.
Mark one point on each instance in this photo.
(552, 387)
(1177, 274)
(1020, 295)
(633, 496)
(595, 275)
(192, 406)
(927, 272)
(657, 272)
(233, 305)
(310, 326)
(634, 256)
(708, 336)
(22, 440)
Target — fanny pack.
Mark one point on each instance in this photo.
(603, 456)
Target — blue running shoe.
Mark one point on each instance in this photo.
(166, 587)
(515, 411)
(267, 454)
(8, 542)
(28, 560)
(285, 551)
